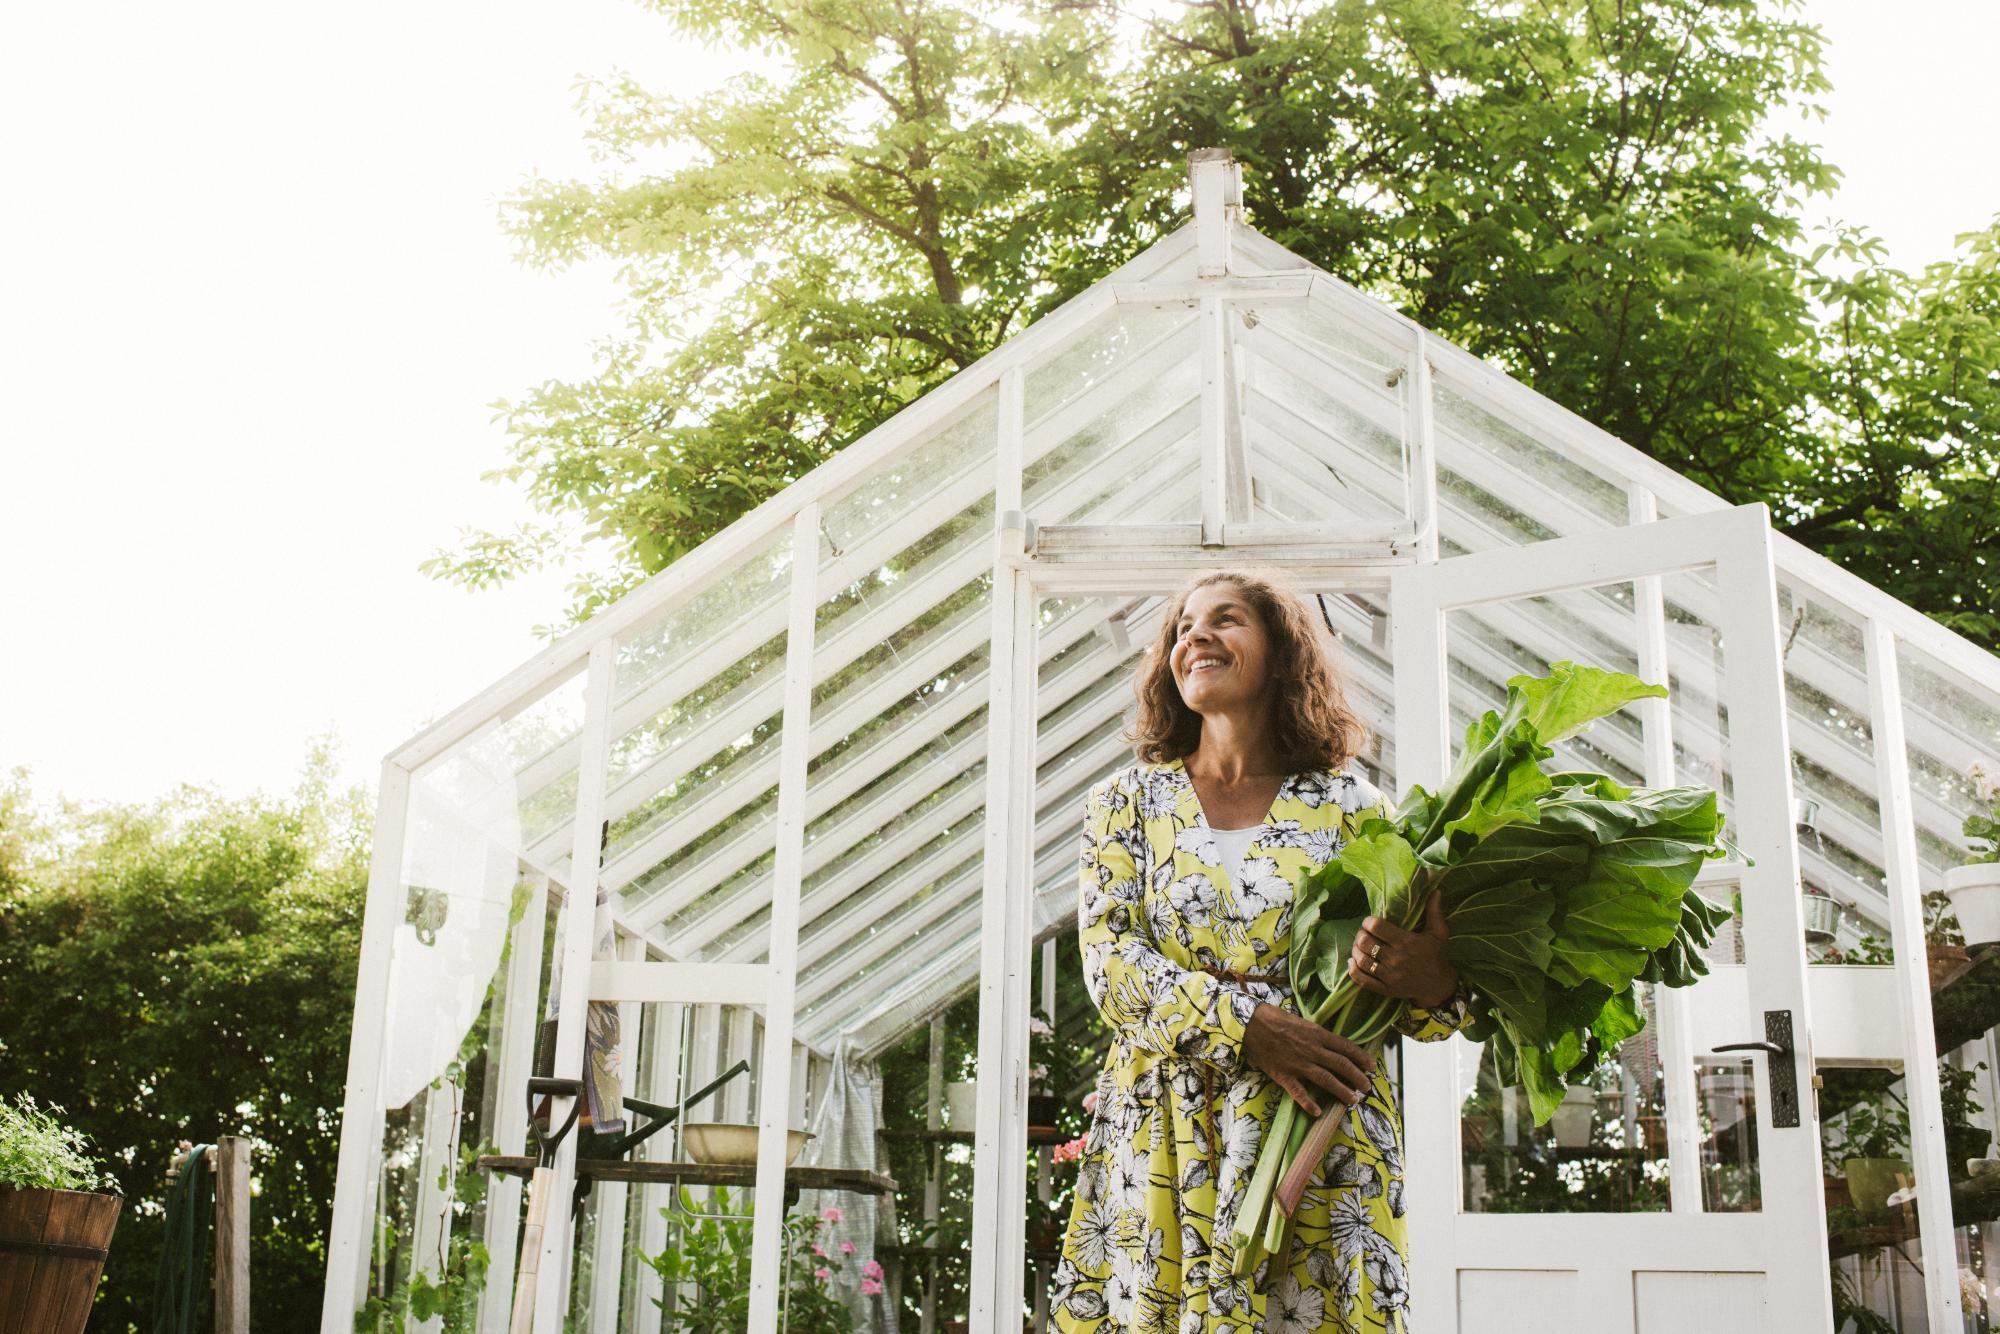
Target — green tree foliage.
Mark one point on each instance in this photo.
(1601, 195)
(184, 970)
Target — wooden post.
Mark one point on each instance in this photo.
(232, 1235)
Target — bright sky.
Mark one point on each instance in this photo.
(255, 302)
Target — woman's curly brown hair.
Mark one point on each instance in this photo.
(1313, 727)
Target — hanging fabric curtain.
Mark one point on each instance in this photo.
(844, 1136)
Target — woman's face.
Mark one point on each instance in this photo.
(1220, 651)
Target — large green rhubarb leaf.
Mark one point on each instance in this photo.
(1571, 697)
(1384, 862)
(1607, 928)
(1500, 944)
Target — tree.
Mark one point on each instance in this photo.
(1594, 193)
(184, 970)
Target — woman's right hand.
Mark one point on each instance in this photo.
(1305, 1059)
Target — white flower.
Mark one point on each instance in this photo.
(1356, 793)
(1322, 844)
(1261, 887)
(1159, 794)
(1295, 1309)
(1198, 842)
(1093, 1235)
(1350, 1226)
(1385, 1271)
(1194, 897)
(1121, 1290)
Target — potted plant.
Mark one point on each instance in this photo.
(1875, 1136)
(961, 1105)
(1944, 940)
(1974, 888)
(1963, 1141)
(1574, 1115)
(1822, 913)
(52, 1194)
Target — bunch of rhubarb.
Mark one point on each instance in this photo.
(1561, 892)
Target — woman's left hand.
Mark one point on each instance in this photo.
(1408, 965)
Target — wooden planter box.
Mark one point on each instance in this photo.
(52, 1249)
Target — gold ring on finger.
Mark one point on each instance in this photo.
(1374, 966)
(1375, 950)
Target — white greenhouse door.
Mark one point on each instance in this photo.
(1722, 1266)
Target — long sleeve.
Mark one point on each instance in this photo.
(1150, 1002)
(1434, 1025)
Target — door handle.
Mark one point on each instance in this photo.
(1784, 1074)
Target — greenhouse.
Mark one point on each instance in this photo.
(822, 781)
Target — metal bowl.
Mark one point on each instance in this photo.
(1822, 917)
(731, 1145)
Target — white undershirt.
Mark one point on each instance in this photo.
(1233, 843)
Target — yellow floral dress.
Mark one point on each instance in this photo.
(1180, 1115)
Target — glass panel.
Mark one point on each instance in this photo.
(1113, 423)
(1952, 726)
(646, 1246)
(1839, 821)
(929, 1091)
(1486, 645)
(1324, 413)
(1726, 1094)
(456, 1054)
(1604, 1150)
(1498, 486)
(692, 800)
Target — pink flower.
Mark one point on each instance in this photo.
(822, 1273)
(870, 1286)
(872, 1270)
(831, 1213)
(1039, 1026)
(1070, 1152)
(847, 1248)
(1090, 1101)
(819, 1250)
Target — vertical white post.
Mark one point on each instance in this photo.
(610, 1257)
(1429, 1070)
(773, 1096)
(1676, 1041)
(661, 1085)
(1045, 1162)
(1760, 755)
(437, 1179)
(578, 943)
(1215, 189)
(1214, 423)
(999, 1161)
(1906, 935)
(520, 1016)
(349, 1239)
(934, 1158)
(1422, 453)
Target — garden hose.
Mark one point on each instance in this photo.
(181, 1283)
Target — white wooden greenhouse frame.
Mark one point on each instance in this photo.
(749, 760)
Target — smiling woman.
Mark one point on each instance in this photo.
(1190, 861)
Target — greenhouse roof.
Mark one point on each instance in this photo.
(1218, 396)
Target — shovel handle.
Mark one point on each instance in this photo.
(539, 1188)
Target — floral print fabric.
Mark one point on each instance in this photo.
(1180, 1115)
